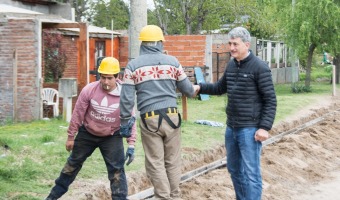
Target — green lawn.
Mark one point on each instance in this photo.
(32, 154)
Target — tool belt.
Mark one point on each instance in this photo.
(163, 114)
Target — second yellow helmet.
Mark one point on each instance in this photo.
(151, 33)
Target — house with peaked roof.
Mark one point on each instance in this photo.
(22, 62)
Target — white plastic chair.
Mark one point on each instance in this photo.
(51, 97)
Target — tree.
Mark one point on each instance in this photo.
(195, 16)
(332, 45)
(103, 12)
(188, 16)
(166, 13)
(80, 7)
(311, 24)
(54, 57)
(264, 18)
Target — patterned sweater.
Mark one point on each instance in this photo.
(154, 77)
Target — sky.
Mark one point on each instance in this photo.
(149, 3)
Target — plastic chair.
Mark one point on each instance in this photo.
(51, 97)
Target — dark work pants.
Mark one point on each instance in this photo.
(112, 150)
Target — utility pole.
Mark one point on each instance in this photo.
(138, 19)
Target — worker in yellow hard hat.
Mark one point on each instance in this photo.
(154, 77)
(95, 123)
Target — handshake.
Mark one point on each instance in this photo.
(196, 90)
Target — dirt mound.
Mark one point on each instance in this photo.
(288, 166)
(88, 190)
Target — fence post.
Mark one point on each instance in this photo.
(67, 90)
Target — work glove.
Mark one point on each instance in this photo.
(130, 154)
(125, 130)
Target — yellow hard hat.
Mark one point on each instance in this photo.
(151, 33)
(109, 65)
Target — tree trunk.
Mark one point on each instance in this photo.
(201, 17)
(309, 65)
(336, 62)
(187, 19)
(162, 19)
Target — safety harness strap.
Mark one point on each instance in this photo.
(163, 114)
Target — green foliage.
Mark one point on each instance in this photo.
(309, 25)
(47, 138)
(25, 197)
(289, 103)
(328, 69)
(189, 17)
(319, 73)
(264, 21)
(298, 88)
(54, 57)
(81, 8)
(104, 12)
(152, 18)
(302, 76)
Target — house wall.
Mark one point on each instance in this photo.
(70, 43)
(62, 9)
(123, 51)
(188, 49)
(19, 36)
(28, 6)
(108, 52)
(221, 55)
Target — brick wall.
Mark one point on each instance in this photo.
(123, 51)
(70, 44)
(6, 73)
(188, 49)
(19, 35)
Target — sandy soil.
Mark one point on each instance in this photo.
(299, 167)
(303, 166)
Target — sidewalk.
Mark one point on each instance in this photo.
(326, 190)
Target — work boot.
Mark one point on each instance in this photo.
(50, 198)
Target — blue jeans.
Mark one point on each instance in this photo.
(243, 162)
(112, 150)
